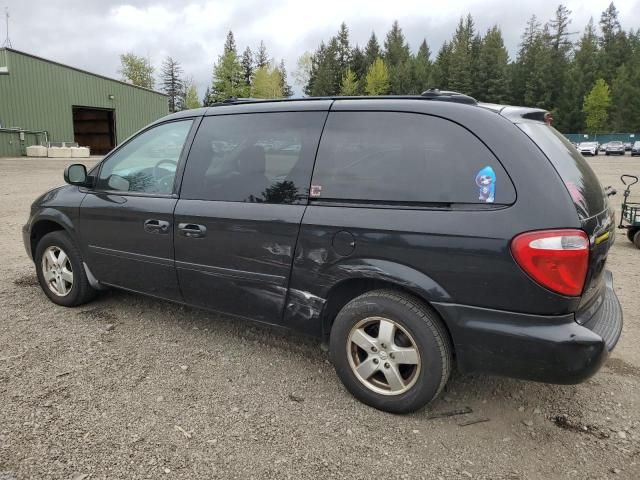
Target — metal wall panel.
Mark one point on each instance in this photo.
(39, 95)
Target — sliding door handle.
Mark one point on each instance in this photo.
(192, 230)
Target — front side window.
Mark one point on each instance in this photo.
(256, 157)
(148, 162)
(393, 157)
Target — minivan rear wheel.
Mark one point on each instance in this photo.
(391, 351)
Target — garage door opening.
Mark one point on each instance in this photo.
(94, 128)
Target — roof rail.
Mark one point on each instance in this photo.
(447, 96)
(234, 100)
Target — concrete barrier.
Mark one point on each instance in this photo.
(80, 152)
(36, 151)
(59, 152)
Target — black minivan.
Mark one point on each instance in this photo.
(410, 233)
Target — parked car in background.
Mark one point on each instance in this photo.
(588, 148)
(635, 149)
(627, 146)
(615, 148)
(355, 226)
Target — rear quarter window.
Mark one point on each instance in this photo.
(406, 158)
(581, 181)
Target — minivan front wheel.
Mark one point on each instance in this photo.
(60, 271)
(391, 351)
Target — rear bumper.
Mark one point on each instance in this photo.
(553, 349)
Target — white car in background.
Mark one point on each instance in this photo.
(588, 148)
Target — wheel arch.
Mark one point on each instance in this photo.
(376, 276)
(45, 223)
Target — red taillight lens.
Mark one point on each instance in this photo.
(556, 259)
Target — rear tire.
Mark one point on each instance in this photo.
(631, 233)
(61, 271)
(636, 239)
(391, 351)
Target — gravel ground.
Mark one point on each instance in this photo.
(130, 387)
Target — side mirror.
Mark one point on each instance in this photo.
(76, 174)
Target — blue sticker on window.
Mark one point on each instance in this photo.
(486, 181)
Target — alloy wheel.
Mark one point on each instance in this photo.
(57, 271)
(383, 356)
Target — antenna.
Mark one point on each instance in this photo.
(7, 40)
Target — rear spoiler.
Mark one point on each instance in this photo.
(519, 114)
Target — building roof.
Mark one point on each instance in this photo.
(19, 52)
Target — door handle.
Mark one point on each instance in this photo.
(156, 226)
(192, 230)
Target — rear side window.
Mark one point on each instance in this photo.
(257, 157)
(581, 181)
(397, 157)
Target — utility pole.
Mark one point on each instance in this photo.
(7, 40)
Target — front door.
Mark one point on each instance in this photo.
(243, 195)
(126, 220)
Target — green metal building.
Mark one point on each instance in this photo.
(44, 101)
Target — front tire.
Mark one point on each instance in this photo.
(61, 272)
(391, 351)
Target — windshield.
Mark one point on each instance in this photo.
(580, 180)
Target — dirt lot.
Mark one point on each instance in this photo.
(129, 387)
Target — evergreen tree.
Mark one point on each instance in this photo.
(262, 58)
(206, 99)
(560, 47)
(287, 91)
(596, 107)
(421, 69)
(349, 85)
(460, 67)
(343, 49)
(377, 80)
(614, 44)
(359, 67)
(625, 95)
(397, 57)
(441, 67)
(136, 70)
(172, 84)
(492, 71)
(372, 50)
(325, 71)
(532, 81)
(228, 81)
(247, 66)
(580, 77)
(476, 48)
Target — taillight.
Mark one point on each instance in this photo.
(556, 259)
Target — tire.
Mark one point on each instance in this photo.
(418, 329)
(61, 288)
(636, 239)
(631, 232)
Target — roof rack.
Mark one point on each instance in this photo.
(234, 100)
(447, 96)
(432, 94)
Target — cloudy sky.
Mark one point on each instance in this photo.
(91, 34)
